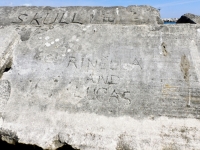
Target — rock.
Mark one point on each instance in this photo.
(7, 44)
(100, 86)
(189, 18)
(136, 15)
(170, 19)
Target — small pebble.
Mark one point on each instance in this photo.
(57, 40)
(47, 44)
(47, 37)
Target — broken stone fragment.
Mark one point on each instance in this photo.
(8, 40)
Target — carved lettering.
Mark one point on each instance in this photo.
(113, 65)
(90, 78)
(101, 78)
(101, 93)
(136, 62)
(101, 89)
(91, 18)
(126, 98)
(72, 60)
(103, 65)
(109, 19)
(36, 19)
(82, 60)
(114, 79)
(103, 62)
(104, 94)
(114, 95)
(62, 19)
(93, 64)
(50, 22)
(77, 95)
(91, 93)
(19, 17)
(83, 16)
(74, 18)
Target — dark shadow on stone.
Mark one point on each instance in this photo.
(8, 66)
(7, 69)
(17, 146)
(185, 19)
(12, 142)
(66, 147)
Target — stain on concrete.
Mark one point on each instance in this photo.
(25, 34)
(185, 66)
(122, 144)
(164, 49)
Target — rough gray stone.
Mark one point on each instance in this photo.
(8, 41)
(100, 86)
(136, 15)
(189, 18)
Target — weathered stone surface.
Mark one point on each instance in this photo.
(189, 18)
(136, 15)
(8, 41)
(101, 86)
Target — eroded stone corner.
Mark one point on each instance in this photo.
(8, 41)
(8, 136)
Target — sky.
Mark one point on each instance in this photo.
(168, 8)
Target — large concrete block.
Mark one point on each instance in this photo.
(102, 86)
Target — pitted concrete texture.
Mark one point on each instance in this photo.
(136, 15)
(101, 86)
